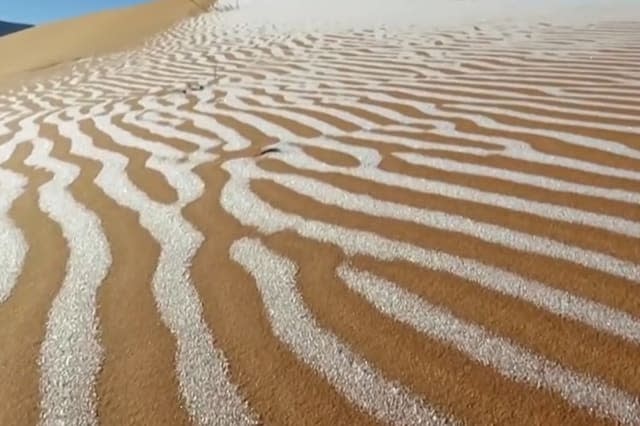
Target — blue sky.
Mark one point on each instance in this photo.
(40, 11)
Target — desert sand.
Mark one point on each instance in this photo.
(37, 51)
(297, 213)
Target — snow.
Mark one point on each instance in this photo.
(275, 15)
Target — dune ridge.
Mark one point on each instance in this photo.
(37, 51)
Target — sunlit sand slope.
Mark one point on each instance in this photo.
(57, 43)
(240, 224)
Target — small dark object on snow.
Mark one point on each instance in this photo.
(269, 151)
(193, 87)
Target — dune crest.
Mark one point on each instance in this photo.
(37, 51)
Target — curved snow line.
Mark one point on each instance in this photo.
(233, 141)
(13, 247)
(508, 359)
(332, 195)
(460, 192)
(421, 143)
(539, 181)
(202, 371)
(519, 99)
(523, 101)
(294, 324)
(71, 353)
(514, 151)
(321, 126)
(512, 148)
(164, 159)
(628, 152)
(239, 201)
(484, 121)
(519, 150)
(168, 130)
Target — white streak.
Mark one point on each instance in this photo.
(331, 195)
(614, 147)
(13, 247)
(484, 121)
(519, 177)
(71, 353)
(510, 360)
(295, 325)
(460, 192)
(244, 205)
(210, 396)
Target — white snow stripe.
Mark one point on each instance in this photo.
(71, 353)
(539, 181)
(13, 247)
(210, 396)
(508, 359)
(332, 195)
(238, 200)
(294, 325)
(429, 186)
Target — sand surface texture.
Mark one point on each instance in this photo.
(340, 220)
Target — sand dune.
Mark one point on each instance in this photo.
(261, 218)
(58, 43)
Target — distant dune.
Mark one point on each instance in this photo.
(60, 42)
(11, 27)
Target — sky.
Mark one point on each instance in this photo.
(41, 11)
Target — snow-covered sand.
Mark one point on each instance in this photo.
(286, 15)
(330, 212)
